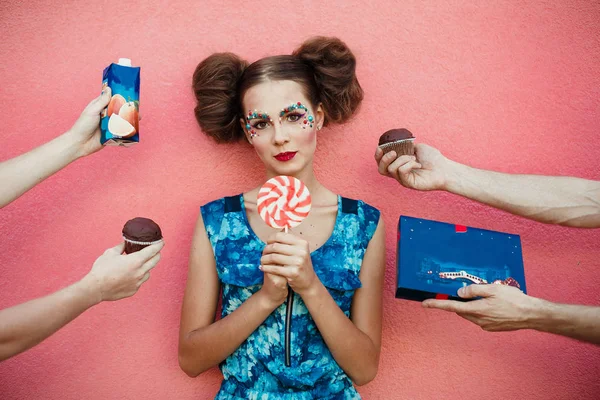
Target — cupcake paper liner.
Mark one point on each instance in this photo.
(131, 246)
(401, 147)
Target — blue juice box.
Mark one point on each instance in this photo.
(119, 125)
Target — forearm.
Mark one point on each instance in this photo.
(353, 350)
(25, 325)
(23, 172)
(574, 321)
(206, 347)
(556, 200)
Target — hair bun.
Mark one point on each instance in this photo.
(215, 84)
(334, 68)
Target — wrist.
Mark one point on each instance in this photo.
(266, 302)
(454, 177)
(90, 287)
(313, 290)
(72, 147)
(537, 313)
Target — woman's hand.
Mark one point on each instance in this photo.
(288, 256)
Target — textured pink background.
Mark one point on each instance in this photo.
(511, 86)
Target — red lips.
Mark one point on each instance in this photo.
(288, 155)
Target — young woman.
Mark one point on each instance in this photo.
(334, 261)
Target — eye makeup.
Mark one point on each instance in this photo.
(308, 119)
(253, 115)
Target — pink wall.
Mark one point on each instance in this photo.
(510, 86)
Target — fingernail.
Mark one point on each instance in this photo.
(461, 291)
(260, 267)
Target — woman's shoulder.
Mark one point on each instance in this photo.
(213, 211)
(359, 207)
(363, 215)
(221, 202)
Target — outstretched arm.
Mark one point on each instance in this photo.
(550, 199)
(23, 172)
(113, 276)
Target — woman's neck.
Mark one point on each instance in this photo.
(308, 177)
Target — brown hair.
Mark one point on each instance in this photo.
(324, 67)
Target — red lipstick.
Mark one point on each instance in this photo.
(287, 156)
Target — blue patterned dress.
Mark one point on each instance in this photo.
(256, 370)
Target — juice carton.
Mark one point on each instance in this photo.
(119, 125)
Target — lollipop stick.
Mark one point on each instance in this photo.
(288, 322)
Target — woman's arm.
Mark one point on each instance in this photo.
(354, 343)
(23, 172)
(204, 343)
(113, 276)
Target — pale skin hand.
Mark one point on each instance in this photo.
(113, 276)
(86, 130)
(275, 289)
(502, 308)
(23, 172)
(287, 256)
(506, 308)
(424, 171)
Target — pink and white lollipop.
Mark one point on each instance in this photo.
(283, 202)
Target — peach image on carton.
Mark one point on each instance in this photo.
(115, 104)
(120, 127)
(129, 113)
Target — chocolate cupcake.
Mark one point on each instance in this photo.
(139, 233)
(399, 140)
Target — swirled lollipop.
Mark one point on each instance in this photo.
(283, 202)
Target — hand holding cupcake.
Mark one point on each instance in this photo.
(415, 166)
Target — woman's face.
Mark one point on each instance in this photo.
(281, 124)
